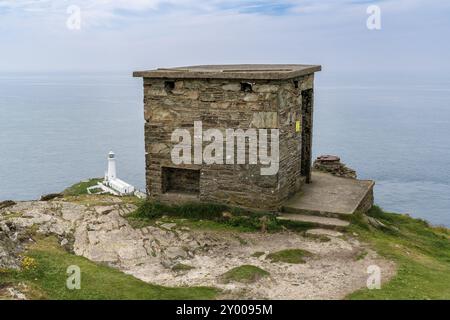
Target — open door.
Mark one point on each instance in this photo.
(307, 123)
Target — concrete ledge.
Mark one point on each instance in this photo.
(239, 71)
(332, 196)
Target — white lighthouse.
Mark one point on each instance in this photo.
(111, 181)
(113, 185)
(111, 174)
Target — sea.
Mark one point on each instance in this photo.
(57, 128)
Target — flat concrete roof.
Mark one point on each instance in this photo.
(236, 71)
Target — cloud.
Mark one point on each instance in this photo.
(135, 34)
(122, 8)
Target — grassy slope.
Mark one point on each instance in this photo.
(422, 254)
(48, 279)
(81, 187)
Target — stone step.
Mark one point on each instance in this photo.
(322, 222)
(309, 212)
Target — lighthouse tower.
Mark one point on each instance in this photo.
(112, 184)
(111, 174)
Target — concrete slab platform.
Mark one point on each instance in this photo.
(332, 196)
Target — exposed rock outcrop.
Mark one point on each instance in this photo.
(100, 232)
(12, 241)
(6, 204)
(51, 196)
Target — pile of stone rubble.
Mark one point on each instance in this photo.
(332, 164)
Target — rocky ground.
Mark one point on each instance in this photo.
(100, 232)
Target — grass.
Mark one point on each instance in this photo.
(361, 255)
(317, 237)
(11, 215)
(81, 187)
(179, 267)
(258, 254)
(102, 199)
(210, 225)
(294, 256)
(421, 252)
(78, 194)
(211, 216)
(47, 279)
(244, 274)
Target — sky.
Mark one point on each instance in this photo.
(128, 35)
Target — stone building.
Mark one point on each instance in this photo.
(248, 97)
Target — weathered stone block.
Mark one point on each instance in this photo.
(266, 88)
(232, 87)
(251, 97)
(192, 95)
(156, 92)
(159, 113)
(265, 120)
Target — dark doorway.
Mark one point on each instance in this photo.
(307, 112)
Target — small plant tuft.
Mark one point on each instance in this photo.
(28, 263)
(257, 254)
(244, 274)
(294, 256)
(179, 267)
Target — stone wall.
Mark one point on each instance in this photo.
(226, 104)
(367, 202)
(290, 111)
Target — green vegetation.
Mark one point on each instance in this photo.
(102, 199)
(361, 255)
(209, 215)
(44, 272)
(257, 254)
(317, 237)
(81, 187)
(11, 215)
(137, 222)
(182, 267)
(245, 274)
(421, 252)
(294, 256)
(78, 194)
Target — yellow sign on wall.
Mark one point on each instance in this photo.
(298, 126)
